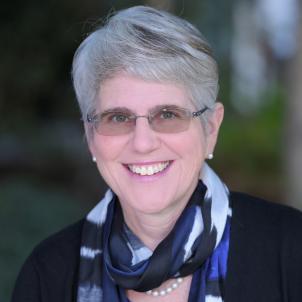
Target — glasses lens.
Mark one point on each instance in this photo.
(170, 120)
(115, 123)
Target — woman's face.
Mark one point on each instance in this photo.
(178, 156)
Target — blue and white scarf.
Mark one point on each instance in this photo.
(114, 259)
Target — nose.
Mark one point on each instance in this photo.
(144, 139)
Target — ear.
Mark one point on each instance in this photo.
(214, 120)
(89, 139)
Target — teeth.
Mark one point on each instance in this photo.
(148, 169)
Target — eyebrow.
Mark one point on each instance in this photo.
(116, 109)
(125, 109)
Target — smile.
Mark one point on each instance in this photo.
(148, 169)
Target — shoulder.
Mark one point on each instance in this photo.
(271, 227)
(51, 269)
(58, 254)
(66, 241)
(265, 250)
(250, 209)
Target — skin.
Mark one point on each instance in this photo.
(151, 205)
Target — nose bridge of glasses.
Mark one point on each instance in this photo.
(146, 116)
(144, 138)
(143, 126)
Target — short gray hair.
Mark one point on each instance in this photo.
(150, 44)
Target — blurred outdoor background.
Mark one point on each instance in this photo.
(47, 178)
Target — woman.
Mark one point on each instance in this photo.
(167, 229)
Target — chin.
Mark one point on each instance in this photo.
(149, 204)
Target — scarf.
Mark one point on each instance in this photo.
(112, 257)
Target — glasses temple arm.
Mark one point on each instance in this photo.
(200, 112)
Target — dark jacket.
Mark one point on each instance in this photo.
(264, 264)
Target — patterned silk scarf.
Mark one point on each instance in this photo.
(114, 259)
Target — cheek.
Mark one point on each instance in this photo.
(107, 152)
(191, 149)
(193, 155)
(105, 148)
(194, 145)
(198, 143)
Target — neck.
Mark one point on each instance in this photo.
(152, 228)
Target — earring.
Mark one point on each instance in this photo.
(210, 156)
(94, 159)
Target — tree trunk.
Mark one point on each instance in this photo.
(293, 129)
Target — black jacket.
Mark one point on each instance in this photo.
(264, 264)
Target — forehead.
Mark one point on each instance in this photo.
(140, 95)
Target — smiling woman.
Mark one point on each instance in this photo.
(178, 153)
(167, 228)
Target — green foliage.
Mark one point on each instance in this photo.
(249, 148)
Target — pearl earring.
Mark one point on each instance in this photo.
(210, 156)
(94, 159)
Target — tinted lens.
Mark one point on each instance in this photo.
(115, 123)
(170, 120)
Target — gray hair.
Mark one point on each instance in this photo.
(150, 44)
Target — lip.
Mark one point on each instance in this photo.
(145, 163)
(147, 178)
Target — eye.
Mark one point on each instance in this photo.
(115, 117)
(119, 118)
(171, 114)
(167, 115)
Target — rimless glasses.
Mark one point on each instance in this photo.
(163, 119)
